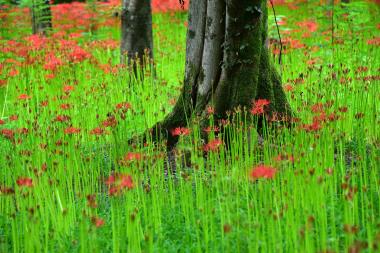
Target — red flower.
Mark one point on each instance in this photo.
(6, 190)
(65, 106)
(13, 117)
(262, 171)
(62, 118)
(68, 88)
(258, 106)
(3, 83)
(7, 133)
(210, 110)
(374, 41)
(24, 182)
(72, 130)
(78, 54)
(124, 105)
(110, 122)
(118, 182)
(180, 131)
(213, 145)
(13, 72)
(310, 25)
(132, 157)
(210, 129)
(24, 97)
(313, 127)
(317, 108)
(97, 131)
(110, 180)
(126, 182)
(91, 201)
(44, 103)
(288, 87)
(52, 62)
(98, 222)
(2, 122)
(343, 109)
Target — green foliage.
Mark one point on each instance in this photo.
(324, 196)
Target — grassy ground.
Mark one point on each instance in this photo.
(69, 182)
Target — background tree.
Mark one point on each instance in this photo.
(136, 30)
(41, 16)
(227, 63)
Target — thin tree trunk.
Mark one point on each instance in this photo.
(136, 31)
(41, 17)
(227, 63)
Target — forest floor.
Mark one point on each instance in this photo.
(70, 182)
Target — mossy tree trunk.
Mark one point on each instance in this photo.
(227, 63)
(41, 17)
(136, 31)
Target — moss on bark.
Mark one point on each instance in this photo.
(246, 71)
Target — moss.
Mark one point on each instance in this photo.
(247, 74)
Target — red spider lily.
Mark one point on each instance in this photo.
(68, 88)
(118, 182)
(180, 131)
(375, 41)
(49, 76)
(168, 5)
(282, 157)
(132, 156)
(23, 130)
(72, 130)
(65, 106)
(6, 190)
(91, 201)
(98, 131)
(258, 106)
(288, 87)
(13, 117)
(313, 127)
(52, 62)
(98, 222)
(317, 108)
(333, 117)
(262, 171)
(24, 182)
(110, 122)
(210, 129)
(3, 83)
(322, 117)
(7, 133)
(124, 106)
(62, 118)
(44, 103)
(213, 145)
(343, 109)
(210, 110)
(23, 97)
(310, 25)
(78, 55)
(13, 72)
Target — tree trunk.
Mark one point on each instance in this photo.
(136, 31)
(41, 17)
(227, 63)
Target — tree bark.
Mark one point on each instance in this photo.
(41, 17)
(227, 64)
(136, 31)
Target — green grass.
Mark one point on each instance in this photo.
(326, 199)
